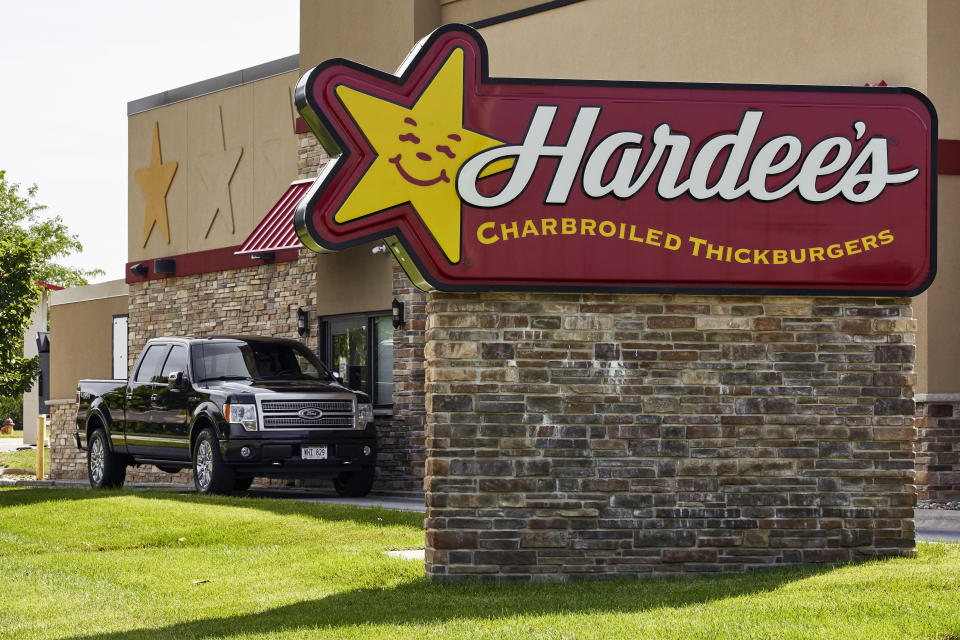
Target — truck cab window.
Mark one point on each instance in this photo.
(176, 361)
(150, 364)
(258, 360)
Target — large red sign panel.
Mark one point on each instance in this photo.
(505, 183)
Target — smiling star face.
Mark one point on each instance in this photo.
(425, 162)
(418, 153)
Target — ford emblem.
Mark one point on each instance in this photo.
(310, 413)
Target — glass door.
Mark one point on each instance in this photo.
(349, 352)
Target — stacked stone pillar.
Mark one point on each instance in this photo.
(595, 435)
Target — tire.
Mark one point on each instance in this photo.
(210, 473)
(105, 469)
(354, 484)
(242, 483)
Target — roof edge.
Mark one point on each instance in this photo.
(217, 83)
(86, 293)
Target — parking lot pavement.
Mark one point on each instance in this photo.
(937, 525)
(10, 444)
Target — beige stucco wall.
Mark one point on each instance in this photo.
(354, 281)
(81, 334)
(809, 42)
(259, 118)
(468, 11)
(377, 33)
(938, 352)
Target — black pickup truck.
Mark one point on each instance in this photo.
(231, 408)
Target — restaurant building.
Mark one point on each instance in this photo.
(492, 402)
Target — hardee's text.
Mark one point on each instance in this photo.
(859, 178)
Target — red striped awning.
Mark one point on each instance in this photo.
(275, 232)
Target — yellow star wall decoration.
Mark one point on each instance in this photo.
(154, 182)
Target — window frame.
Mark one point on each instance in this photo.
(186, 368)
(163, 347)
(325, 348)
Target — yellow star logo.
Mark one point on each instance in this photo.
(419, 150)
(154, 182)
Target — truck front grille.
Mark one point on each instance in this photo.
(283, 414)
(296, 422)
(292, 406)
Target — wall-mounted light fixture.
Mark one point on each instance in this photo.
(139, 270)
(398, 320)
(264, 255)
(303, 322)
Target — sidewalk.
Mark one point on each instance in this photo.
(941, 525)
(11, 444)
(387, 501)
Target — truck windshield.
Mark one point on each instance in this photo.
(258, 361)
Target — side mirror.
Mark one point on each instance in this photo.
(177, 381)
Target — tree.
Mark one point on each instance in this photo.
(29, 244)
(22, 220)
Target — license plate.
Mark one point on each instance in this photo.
(313, 453)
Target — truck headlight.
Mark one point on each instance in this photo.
(242, 414)
(365, 415)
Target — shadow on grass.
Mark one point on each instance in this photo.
(285, 507)
(23, 496)
(421, 602)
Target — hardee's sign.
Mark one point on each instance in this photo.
(506, 183)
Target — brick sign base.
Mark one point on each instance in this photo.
(592, 436)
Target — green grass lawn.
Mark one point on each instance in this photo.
(16, 433)
(26, 459)
(167, 566)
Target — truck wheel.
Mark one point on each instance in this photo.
(242, 483)
(210, 472)
(354, 484)
(105, 469)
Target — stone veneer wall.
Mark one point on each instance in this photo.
(573, 436)
(310, 156)
(66, 461)
(406, 439)
(938, 449)
(259, 299)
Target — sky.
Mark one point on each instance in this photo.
(67, 71)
